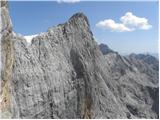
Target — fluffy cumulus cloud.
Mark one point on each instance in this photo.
(68, 1)
(134, 21)
(128, 23)
(113, 26)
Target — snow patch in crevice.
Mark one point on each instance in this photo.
(29, 38)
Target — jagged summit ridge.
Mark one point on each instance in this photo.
(63, 74)
(79, 15)
(77, 20)
(105, 49)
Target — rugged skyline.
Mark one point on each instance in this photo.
(126, 27)
(64, 73)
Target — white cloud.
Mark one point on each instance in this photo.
(113, 26)
(128, 23)
(68, 1)
(133, 21)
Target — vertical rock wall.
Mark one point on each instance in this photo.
(63, 74)
(6, 59)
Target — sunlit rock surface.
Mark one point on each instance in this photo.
(63, 74)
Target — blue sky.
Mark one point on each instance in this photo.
(30, 18)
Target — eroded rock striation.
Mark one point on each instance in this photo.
(137, 90)
(6, 60)
(63, 74)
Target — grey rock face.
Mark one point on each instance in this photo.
(63, 74)
(6, 60)
(147, 59)
(146, 64)
(133, 88)
(105, 49)
(60, 75)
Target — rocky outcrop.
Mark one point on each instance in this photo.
(63, 74)
(60, 75)
(133, 88)
(6, 59)
(146, 64)
(105, 49)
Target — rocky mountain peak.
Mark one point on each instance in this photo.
(80, 20)
(79, 16)
(105, 49)
(63, 74)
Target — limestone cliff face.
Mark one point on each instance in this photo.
(6, 58)
(63, 74)
(137, 91)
